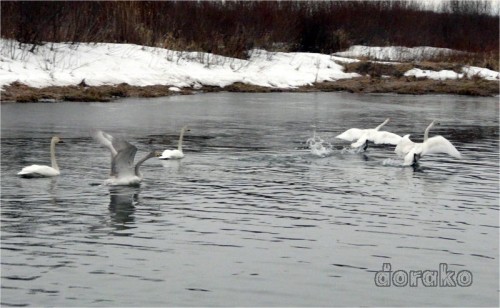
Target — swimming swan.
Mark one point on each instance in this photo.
(362, 136)
(40, 171)
(123, 171)
(412, 151)
(175, 154)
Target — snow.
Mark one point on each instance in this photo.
(396, 53)
(468, 71)
(62, 64)
(439, 75)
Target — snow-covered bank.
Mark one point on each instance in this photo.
(59, 64)
(396, 53)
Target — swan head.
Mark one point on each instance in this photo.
(434, 122)
(185, 128)
(57, 139)
(155, 153)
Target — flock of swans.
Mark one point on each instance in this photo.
(410, 151)
(124, 172)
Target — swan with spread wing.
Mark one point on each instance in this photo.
(413, 151)
(123, 171)
(363, 136)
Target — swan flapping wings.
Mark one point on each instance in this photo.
(123, 171)
(362, 136)
(122, 153)
(413, 151)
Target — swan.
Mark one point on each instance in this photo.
(175, 154)
(40, 171)
(413, 151)
(362, 136)
(123, 171)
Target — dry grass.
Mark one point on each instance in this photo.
(20, 93)
(17, 92)
(411, 85)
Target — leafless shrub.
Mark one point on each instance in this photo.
(231, 28)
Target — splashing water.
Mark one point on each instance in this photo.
(349, 150)
(393, 162)
(318, 146)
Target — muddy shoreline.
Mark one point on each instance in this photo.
(21, 93)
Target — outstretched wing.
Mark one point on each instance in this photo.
(385, 138)
(351, 134)
(439, 144)
(122, 164)
(122, 152)
(105, 140)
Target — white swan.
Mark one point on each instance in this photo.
(123, 171)
(40, 171)
(362, 136)
(175, 154)
(412, 151)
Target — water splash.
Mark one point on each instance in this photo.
(318, 146)
(393, 162)
(350, 150)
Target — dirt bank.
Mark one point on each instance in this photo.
(17, 92)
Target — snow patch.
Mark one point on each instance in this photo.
(63, 64)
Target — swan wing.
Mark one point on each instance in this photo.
(122, 163)
(439, 144)
(404, 146)
(361, 141)
(385, 138)
(105, 140)
(351, 134)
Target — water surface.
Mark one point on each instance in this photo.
(250, 217)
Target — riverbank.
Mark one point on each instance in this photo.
(21, 93)
(106, 71)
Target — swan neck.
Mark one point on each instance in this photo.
(426, 134)
(181, 137)
(381, 125)
(53, 155)
(140, 162)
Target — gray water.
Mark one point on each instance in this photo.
(250, 217)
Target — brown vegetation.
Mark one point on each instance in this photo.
(17, 92)
(233, 27)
